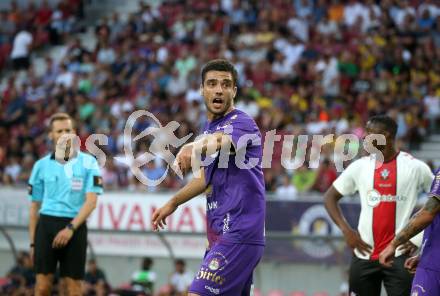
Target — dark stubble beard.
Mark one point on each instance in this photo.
(218, 114)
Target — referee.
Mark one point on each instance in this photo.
(63, 190)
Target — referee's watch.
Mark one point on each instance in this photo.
(71, 227)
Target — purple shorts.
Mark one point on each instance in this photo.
(227, 270)
(426, 283)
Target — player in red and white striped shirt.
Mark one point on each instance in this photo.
(388, 193)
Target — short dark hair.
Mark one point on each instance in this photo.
(387, 123)
(219, 65)
(179, 262)
(60, 116)
(147, 262)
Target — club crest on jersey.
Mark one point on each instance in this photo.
(214, 264)
(385, 174)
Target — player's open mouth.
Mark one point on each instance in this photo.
(217, 103)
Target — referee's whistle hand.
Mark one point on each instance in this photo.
(62, 238)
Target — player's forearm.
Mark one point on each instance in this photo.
(194, 187)
(420, 221)
(86, 210)
(331, 203)
(33, 220)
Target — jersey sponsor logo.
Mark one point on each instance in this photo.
(226, 223)
(222, 127)
(227, 125)
(205, 274)
(374, 198)
(385, 174)
(77, 184)
(216, 291)
(212, 205)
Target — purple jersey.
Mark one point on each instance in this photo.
(431, 238)
(236, 194)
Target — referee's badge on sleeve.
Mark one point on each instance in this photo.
(77, 184)
(97, 181)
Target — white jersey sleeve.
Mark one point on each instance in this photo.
(426, 177)
(425, 180)
(346, 183)
(418, 239)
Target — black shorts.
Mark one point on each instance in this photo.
(21, 63)
(366, 277)
(72, 258)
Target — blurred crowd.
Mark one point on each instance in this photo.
(23, 29)
(306, 67)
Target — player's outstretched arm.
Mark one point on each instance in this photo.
(352, 237)
(194, 187)
(209, 144)
(417, 223)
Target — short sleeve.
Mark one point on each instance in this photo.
(35, 184)
(425, 176)
(435, 187)
(345, 184)
(94, 178)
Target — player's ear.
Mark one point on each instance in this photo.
(201, 89)
(50, 134)
(235, 92)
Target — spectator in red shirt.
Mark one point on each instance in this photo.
(44, 14)
(326, 175)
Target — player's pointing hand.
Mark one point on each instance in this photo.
(160, 215)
